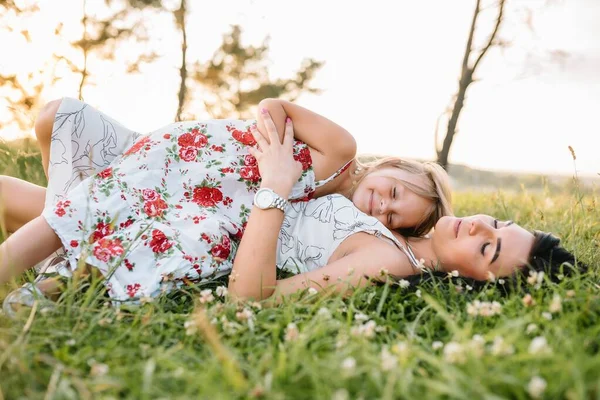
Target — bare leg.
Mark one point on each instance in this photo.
(20, 202)
(25, 248)
(43, 130)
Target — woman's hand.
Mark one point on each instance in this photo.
(278, 169)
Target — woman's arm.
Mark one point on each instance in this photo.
(366, 259)
(318, 132)
(253, 273)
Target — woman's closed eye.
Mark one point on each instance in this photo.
(485, 245)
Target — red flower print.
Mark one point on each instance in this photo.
(227, 170)
(304, 157)
(250, 174)
(194, 139)
(218, 149)
(167, 136)
(207, 196)
(188, 153)
(159, 242)
(155, 208)
(249, 160)
(243, 137)
(60, 211)
(128, 265)
(102, 230)
(125, 224)
(105, 249)
(105, 174)
(206, 238)
(221, 251)
(132, 289)
(138, 145)
(150, 195)
(74, 243)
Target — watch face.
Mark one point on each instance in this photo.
(264, 198)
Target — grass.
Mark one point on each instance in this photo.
(315, 346)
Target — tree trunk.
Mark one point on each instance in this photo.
(180, 20)
(465, 81)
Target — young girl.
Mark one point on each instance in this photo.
(173, 206)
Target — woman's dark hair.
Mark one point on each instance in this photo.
(546, 256)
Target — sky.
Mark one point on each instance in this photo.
(391, 69)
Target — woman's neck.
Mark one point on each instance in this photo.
(423, 249)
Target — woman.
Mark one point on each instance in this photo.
(185, 191)
(327, 242)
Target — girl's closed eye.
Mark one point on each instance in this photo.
(485, 245)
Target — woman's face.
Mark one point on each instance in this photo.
(478, 245)
(382, 195)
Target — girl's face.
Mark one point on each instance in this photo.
(478, 245)
(382, 195)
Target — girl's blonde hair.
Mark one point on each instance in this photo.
(436, 189)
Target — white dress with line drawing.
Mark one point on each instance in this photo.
(312, 231)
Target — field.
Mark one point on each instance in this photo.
(385, 342)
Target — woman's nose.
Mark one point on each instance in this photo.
(478, 226)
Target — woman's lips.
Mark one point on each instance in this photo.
(457, 226)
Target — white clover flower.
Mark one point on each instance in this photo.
(469, 288)
(401, 349)
(539, 345)
(190, 327)
(388, 360)
(531, 328)
(245, 315)
(484, 308)
(418, 293)
(324, 312)
(256, 305)
(98, 369)
(491, 277)
(70, 342)
(360, 317)
(453, 274)
(437, 345)
(221, 291)
(535, 278)
(403, 283)
(421, 264)
(501, 281)
(454, 353)
(312, 291)
(536, 387)
(555, 304)
(349, 364)
(384, 272)
(528, 301)
(570, 293)
(340, 394)
(500, 348)
(291, 332)
(206, 296)
(547, 315)
(350, 271)
(366, 330)
(477, 345)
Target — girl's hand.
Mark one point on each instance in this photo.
(278, 169)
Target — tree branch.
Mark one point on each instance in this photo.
(493, 35)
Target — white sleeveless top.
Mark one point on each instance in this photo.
(312, 231)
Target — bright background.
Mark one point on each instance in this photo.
(391, 69)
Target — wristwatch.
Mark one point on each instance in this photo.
(266, 199)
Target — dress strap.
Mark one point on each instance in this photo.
(335, 175)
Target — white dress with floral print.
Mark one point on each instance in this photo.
(153, 211)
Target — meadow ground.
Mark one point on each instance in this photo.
(384, 342)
